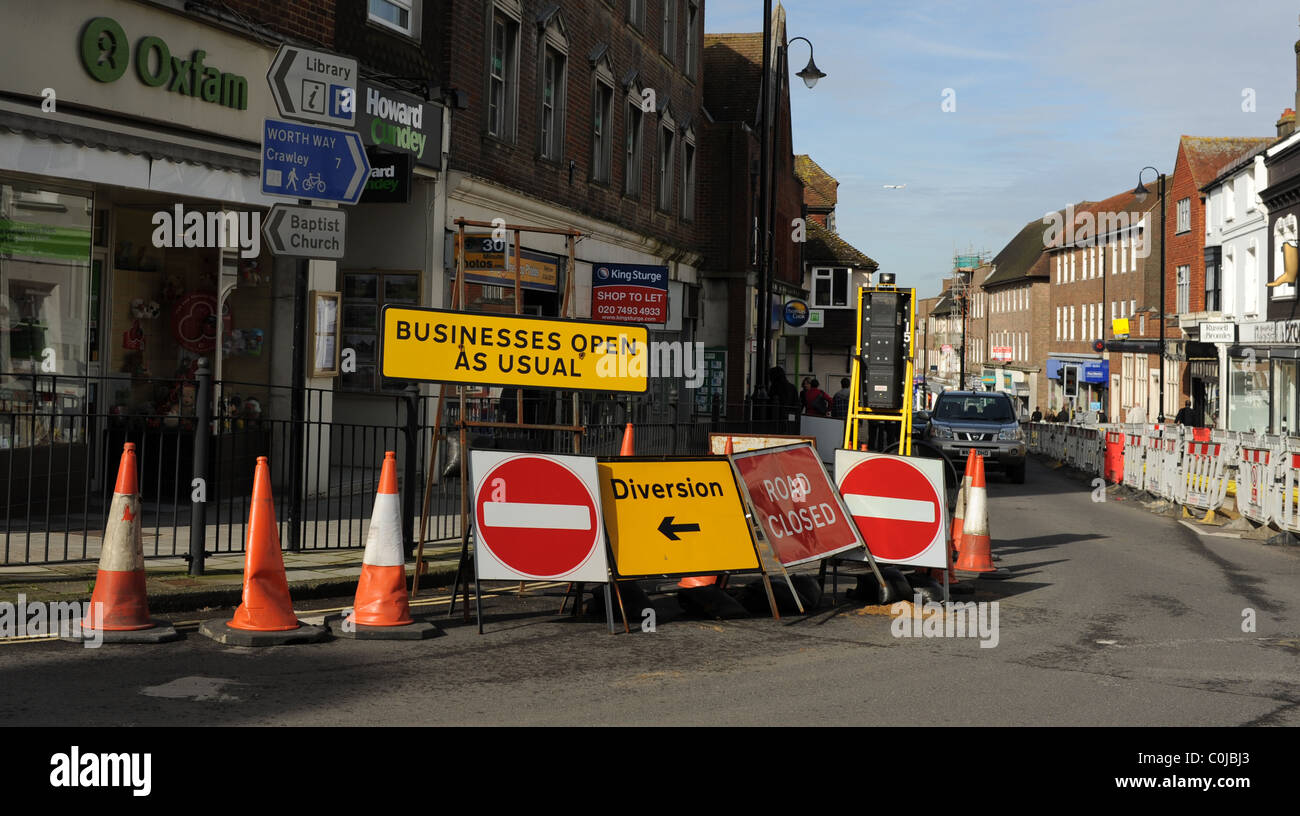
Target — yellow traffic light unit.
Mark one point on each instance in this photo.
(881, 390)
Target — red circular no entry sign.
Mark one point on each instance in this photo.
(895, 506)
(537, 517)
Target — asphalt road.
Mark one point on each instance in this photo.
(1110, 615)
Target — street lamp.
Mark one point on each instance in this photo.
(810, 73)
(1140, 193)
(767, 151)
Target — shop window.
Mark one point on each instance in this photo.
(364, 294)
(1285, 382)
(1248, 395)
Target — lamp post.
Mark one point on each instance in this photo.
(767, 183)
(1140, 193)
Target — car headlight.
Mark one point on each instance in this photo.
(941, 432)
(1011, 435)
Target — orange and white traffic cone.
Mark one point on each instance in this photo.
(975, 553)
(119, 609)
(266, 616)
(381, 609)
(959, 518)
(629, 446)
(729, 448)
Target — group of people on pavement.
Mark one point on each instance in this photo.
(1186, 415)
(810, 398)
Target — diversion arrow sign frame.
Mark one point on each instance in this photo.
(308, 161)
(314, 86)
(305, 232)
(675, 516)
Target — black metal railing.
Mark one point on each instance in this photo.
(61, 440)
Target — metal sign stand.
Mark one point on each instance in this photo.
(463, 424)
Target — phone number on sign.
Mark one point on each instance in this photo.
(655, 312)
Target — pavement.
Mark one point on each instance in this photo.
(170, 587)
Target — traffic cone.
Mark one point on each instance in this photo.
(960, 516)
(728, 449)
(629, 446)
(975, 553)
(381, 608)
(266, 616)
(119, 609)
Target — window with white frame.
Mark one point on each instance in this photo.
(1132, 307)
(668, 38)
(602, 122)
(1184, 284)
(636, 13)
(666, 156)
(551, 130)
(400, 15)
(1072, 265)
(830, 289)
(1284, 231)
(1250, 191)
(692, 39)
(1185, 215)
(1250, 278)
(688, 175)
(1230, 200)
(632, 141)
(1072, 323)
(503, 73)
(1058, 322)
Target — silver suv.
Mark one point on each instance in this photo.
(981, 420)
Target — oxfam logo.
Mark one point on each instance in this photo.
(105, 54)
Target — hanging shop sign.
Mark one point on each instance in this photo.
(400, 122)
(390, 178)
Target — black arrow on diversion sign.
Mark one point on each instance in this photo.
(671, 530)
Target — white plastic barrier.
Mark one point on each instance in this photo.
(1202, 480)
(1288, 507)
(1152, 441)
(1259, 495)
(1134, 456)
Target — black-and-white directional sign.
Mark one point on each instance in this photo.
(305, 232)
(313, 86)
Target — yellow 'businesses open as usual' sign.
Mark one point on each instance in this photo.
(531, 352)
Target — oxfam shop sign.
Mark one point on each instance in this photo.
(105, 54)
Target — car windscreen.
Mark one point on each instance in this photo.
(976, 409)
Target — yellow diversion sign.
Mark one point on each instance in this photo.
(531, 352)
(675, 517)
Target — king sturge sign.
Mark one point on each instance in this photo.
(400, 122)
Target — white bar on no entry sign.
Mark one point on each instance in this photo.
(537, 516)
(888, 507)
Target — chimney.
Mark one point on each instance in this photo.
(1286, 124)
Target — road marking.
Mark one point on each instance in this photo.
(888, 507)
(205, 689)
(536, 516)
(1201, 531)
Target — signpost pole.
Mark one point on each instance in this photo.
(297, 412)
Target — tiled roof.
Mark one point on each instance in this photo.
(1015, 260)
(1206, 156)
(733, 70)
(823, 245)
(819, 187)
(1241, 161)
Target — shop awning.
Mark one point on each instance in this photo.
(75, 130)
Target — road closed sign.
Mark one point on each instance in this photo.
(801, 514)
(897, 503)
(537, 517)
(675, 517)
(531, 352)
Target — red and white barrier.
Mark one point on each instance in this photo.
(1258, 493)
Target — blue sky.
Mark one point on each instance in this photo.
(1055, 103)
